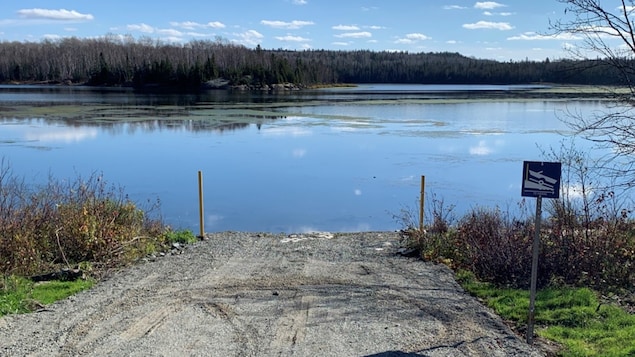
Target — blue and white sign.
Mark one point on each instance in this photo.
(541, 179)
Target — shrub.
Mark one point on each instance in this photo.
(70, 222)
(498, 249)
(494, 247)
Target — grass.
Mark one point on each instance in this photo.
(20, 295)
(51, 291)
(572, 317)
(184, 236)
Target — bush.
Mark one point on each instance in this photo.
(69, 222)
(495, 248)
(498, 249)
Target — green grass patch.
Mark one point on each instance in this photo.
(20, 295)
(51, 291)
(572, 317)
(184, 236)
(14, 292)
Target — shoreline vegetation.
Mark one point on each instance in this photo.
(201, 65)
(223, 84)
(78, 227)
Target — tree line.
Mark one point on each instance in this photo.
(144, 62)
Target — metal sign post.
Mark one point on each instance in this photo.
(534, 273)
(540, 179)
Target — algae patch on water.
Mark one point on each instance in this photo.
(167, 115)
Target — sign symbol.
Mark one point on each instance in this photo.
(541, 179)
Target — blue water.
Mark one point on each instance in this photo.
(332, 161)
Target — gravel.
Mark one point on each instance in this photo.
(259, 294)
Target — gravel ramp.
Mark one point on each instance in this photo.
(259, 294)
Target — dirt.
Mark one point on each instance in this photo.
(248, 294)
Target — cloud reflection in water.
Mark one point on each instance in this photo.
(66, 135)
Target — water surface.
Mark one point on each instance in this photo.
(345, 159)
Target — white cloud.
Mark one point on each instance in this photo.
(59, 15)
(363, 34)
(345, 28)
(375, 27)
(190, 25)
(488, 5)
(412, 38)
(299, 153)
(198, 34)
(532, 36)
(293, 25)
(503, 26)
(417, 36)
(216, 25)
(170, 32)
(300, 2)
(576, 190)
(141, 28)
(172, 39)
(357, 192)
(569, 46)
(51, 37)
(340, 43)
(249, 37)
(489, 13)
(290, 38)
(454, 7)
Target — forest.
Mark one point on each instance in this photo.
(147, 63)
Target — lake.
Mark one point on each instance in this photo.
(341, 159)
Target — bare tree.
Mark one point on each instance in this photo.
(605, 31)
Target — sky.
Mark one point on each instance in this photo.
(501, 30)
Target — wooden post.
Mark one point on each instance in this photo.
(423, 185)
(200, 205)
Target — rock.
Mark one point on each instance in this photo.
(407, 252)
(64, 275)
(218, 83)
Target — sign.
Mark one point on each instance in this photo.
(541, 179)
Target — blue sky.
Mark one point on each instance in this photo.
(501, 30)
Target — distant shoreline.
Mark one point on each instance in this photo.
(546, 90)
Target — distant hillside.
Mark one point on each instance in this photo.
(110, 61)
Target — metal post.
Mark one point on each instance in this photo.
(423, 185)
(534, 273)
(200, 204)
